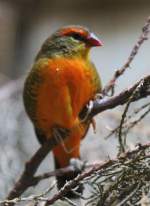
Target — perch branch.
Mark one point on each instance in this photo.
(27, 177)
(126, 157)
(73, 183)
(101, 105)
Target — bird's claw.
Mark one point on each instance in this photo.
(98, 96)
(77, 164)
(89, 109)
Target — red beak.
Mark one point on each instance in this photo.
(93, 40)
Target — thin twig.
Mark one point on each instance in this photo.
(69, 201)
(122, 146)
(71, 184)
(129, 196)
(131, 124)
(119, 72)
(27, 178)
(120, 99)
(39, 197)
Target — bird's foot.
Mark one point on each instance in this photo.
(89, 108)
(77, 164)
(77, 167)
(98, 96)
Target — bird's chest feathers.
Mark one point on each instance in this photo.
(67, 87)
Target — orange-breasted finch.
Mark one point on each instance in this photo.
(59, 86)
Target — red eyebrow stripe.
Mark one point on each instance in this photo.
(68, 31)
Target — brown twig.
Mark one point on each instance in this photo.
(87, 174)
(120, 99)
(135, 93)
(57, 173)
(131, 124)
(35, 198)
(27, 178)
(119, 72)
(71, 184)
(127, 158)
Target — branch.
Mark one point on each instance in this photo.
(39, 197)
(120, 99)
(119, 72)
(132, 97)
(129, 123)
(27, 179)
(128, 158)
(57, 173)
(71, 184)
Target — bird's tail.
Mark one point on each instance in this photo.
(62, 179)
(62, 155)
(69, 148)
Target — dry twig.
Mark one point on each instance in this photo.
(127, 160)
(126, 166)
(119, 72)
(128, 123)
(134, 94)
(27, 178)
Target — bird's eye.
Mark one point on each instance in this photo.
(78, 37)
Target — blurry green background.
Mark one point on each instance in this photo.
(24, 25)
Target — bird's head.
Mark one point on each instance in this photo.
(79, 35)
(70, 41)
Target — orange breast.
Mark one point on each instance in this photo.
(66, 88)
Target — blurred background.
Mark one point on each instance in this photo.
(24, 25)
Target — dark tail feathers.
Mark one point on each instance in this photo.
(61, 180)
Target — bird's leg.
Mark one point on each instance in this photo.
(99, 96)
(93, 122)
(86, 113)
(77, 164)
(59, 133)
(89, 108)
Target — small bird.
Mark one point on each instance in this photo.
(57, 90)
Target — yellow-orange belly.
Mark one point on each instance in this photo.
(67, 85)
